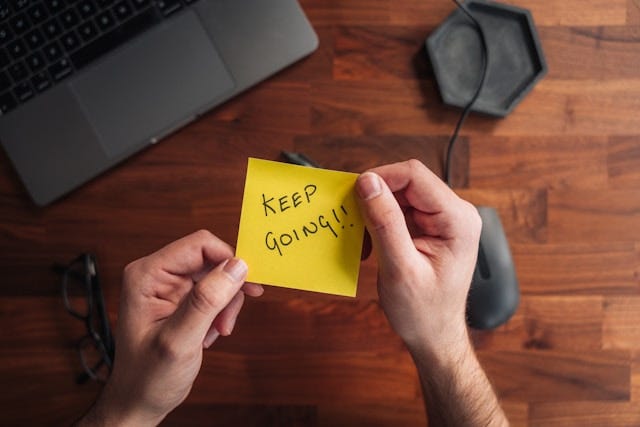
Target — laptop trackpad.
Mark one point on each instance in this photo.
(152, 85)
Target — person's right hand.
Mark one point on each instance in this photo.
(426, 242)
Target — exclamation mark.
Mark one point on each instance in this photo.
(335, 215)
(345, 213)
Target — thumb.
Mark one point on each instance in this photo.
(208, 297)
(384, 219)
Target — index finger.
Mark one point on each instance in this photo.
(421, 188)
(192, 254)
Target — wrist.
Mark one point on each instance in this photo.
(109, 411)
(449, 350)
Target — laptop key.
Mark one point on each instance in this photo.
(19, 23)
(87, 31)
(60, 69)
(52, 28)
(53, 51)
(122, 10)
(5, 10)
(19, 4)
(167, 7)
(18, 71)
(17, 49)
(35, 61)
(5, 34)
(55, 6)
(7, 102)
(105, 20)
(114, 38)
(38, 13)
(69, 18)
(40, 81)
(70, 41)
(23, 91)
(34, 39)
(86, 8)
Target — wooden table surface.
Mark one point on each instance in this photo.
(563, 170)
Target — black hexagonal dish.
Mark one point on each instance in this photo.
(516, 62)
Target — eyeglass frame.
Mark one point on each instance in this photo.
(102, 339)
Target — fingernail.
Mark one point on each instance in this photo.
(236, 268)
(228, 329)
(368, 186)
(211, 337)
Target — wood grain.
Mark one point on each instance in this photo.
(621, 317)
(578, 268)
(563, 323)
(559, 376)
(585, 413)
(563, 171)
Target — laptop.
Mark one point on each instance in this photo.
(84, 84)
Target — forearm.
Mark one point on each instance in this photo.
(456, 390)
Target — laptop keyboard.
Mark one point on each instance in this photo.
(43, 42)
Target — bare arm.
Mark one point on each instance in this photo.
(426, 241)
(457, 391)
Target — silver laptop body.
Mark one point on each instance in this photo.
(147, 88)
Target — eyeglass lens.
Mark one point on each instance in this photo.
(92, 357)
(77, 289)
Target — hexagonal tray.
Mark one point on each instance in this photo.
(516, 60)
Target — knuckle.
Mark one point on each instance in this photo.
(204, 299)
(387, 218)
(415, 165)
(129, 270)
(475, 221)
(470, 220)
(204, 235)
(132, 268)
(133, 273)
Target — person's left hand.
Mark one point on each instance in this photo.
(174, 303)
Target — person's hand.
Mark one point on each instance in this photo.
(174, 303)
(426, 242)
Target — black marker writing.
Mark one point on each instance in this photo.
(326, 224)
(277, 241)
(286, 202)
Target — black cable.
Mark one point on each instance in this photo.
(467, 108)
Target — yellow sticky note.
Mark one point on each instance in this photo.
(300, 228)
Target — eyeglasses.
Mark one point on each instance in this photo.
(82, 296)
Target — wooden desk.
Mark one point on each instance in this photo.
(563, 170)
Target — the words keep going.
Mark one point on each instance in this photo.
(328, 223)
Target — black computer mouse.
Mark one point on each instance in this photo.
(494, 294)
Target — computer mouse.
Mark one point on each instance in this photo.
(494, 294)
